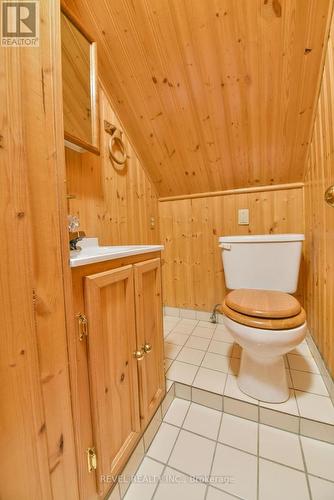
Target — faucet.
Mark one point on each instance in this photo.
(75, 238)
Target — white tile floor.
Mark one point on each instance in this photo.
(203, 454)
(203, 355)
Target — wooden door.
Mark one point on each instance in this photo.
(149, 337)
(109, 302)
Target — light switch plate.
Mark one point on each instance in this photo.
(243, 216)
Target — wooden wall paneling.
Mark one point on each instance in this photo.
(44, 126)
(36, 419)
(24, 471)
(214, 95)
(192, 272)
(319, 218)
(179, 239)
(113, 204)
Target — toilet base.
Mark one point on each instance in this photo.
(263, 378)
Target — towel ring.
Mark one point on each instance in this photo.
(116, 138)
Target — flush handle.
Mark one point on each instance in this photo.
(225, 246)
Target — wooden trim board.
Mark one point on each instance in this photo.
(226, 192)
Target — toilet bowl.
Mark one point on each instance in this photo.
(259, 312)
(264, 340)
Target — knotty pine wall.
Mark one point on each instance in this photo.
(319, 219)
(192, 272)
(113, 204)
(36, 436)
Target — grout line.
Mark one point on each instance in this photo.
(300, 416)
(283, 465)
(217, 440)
(145, 456)
(224, 491)
(229, 358)
(308, 392)
(204, 437)
(200, 365)
(196, 481)
(170, 454)
(293, 389)
(232, 357)
(257, 403)
(241, 416)
(191, 386)
(323, 478)
(180, 428)
(299, 412)
(305, 467)
(215, 450)
(257, 454)
(223, 402)
(258, 423)
(235, 447)
(243, 451)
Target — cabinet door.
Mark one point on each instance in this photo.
(149, 336)
(109, 302)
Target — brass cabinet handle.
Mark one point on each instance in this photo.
(139, 354)
(147, 348)
(144, 350)
(83, 326)
(329, 196)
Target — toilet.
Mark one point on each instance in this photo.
(260, 313)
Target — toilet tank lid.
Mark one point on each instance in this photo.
(258, 238)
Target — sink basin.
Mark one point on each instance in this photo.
(92, 252)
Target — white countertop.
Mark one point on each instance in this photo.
(91, 252)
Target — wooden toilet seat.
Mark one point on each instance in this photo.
(266, 309)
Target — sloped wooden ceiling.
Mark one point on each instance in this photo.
(215, 94)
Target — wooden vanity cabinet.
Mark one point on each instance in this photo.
(109, 301)
(149, 325)
(119, 364)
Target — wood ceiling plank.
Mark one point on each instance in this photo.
(214, 95)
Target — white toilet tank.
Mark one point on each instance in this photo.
(265, 261)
